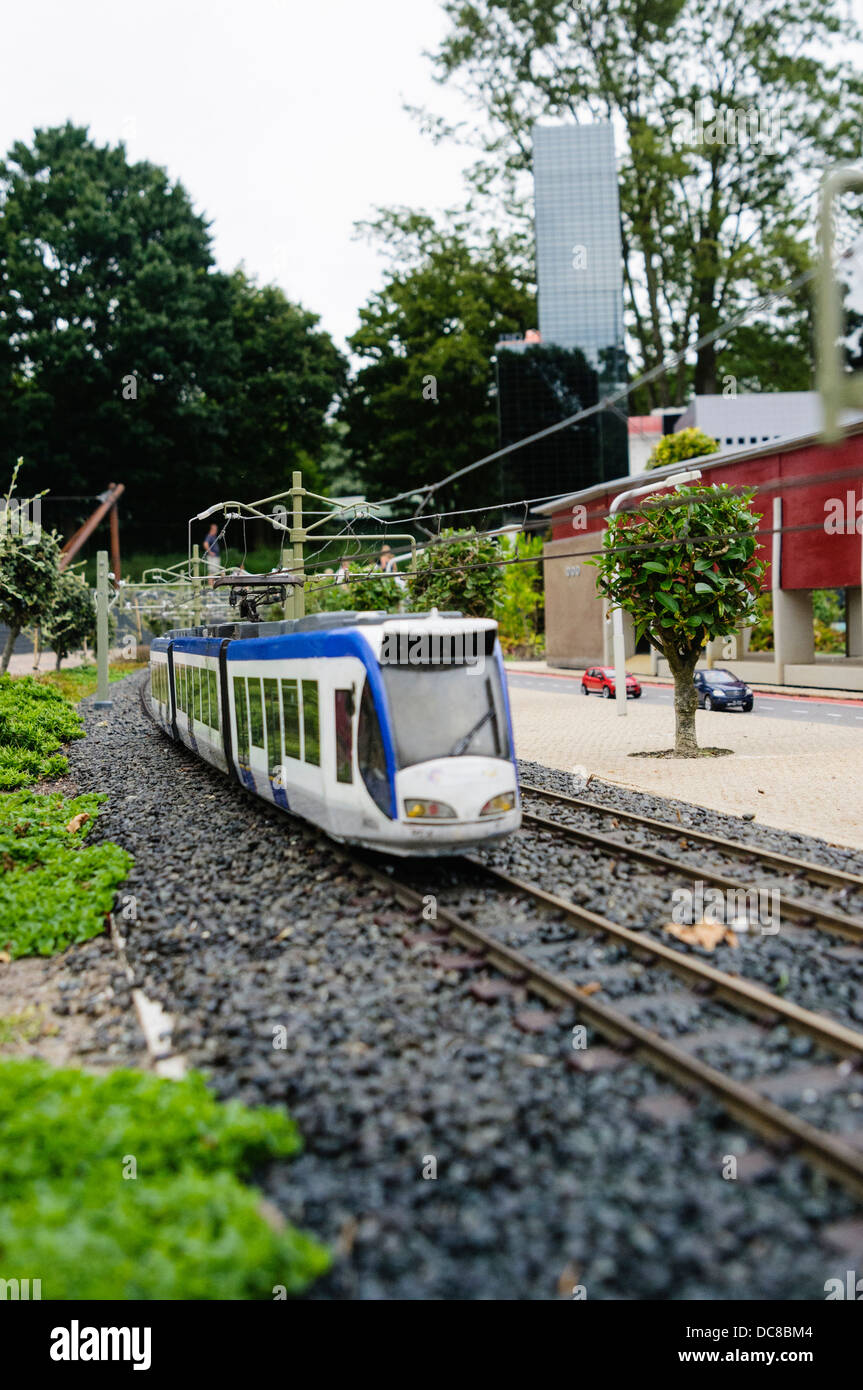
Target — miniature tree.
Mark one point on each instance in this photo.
(29, 570)
(685, 566)
(72, 618)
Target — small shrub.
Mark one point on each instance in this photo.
(462, 574)
(682, 444)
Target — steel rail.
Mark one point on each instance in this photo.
(804, 910)
(829, 1152)
(819, 872)
(742, 993)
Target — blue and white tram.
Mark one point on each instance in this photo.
(392, 732)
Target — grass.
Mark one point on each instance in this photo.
(57, 889)
(75, 682)
(26, 1026)
(35, 721)
(127, 1186)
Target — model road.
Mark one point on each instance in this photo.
(784, 706)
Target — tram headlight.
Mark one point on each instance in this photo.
(428, 810)
(499, 805)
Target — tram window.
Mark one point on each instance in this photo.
(242, 709)
(274, 727)
(463, 706)
(181, 686)
(195, 702)
(344, 736)
(311, 733)
(256, 712)
(370, 753)
(291, 711)
(214, 700)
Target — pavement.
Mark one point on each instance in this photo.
(797, 764)
(21, 663)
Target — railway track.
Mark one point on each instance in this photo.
(717, 1000)
(749, 1101)
(806, 911)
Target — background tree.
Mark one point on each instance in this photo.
(709, 219)
(124, 351)
(686, 568)
(422, 404)
(107, 286)
(462, 572)
(681, 444)
(71, 620)
(286, 375)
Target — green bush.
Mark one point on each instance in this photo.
(35, 721)
(464, 573)
(372, 591)
(184, 1227)
(682, 444)
(29, 574)
(71, 620)
(56, 888)
(522, 610)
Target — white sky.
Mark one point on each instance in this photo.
(282, 118)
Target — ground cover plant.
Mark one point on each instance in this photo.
(127, 1186)
(57, 888)
(35, 721)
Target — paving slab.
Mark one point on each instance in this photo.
(793, 774)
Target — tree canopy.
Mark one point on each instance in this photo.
(687, 568)
(422, 403)
(726, 113)
(127, 355)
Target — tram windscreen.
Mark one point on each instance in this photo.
(446, 712)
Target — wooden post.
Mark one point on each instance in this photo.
(114, 528)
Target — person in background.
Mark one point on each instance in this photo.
(387, 565)
(343, 573)
(212, 551)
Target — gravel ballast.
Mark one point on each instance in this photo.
(249, 923)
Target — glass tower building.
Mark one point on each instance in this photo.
(579, 257)
(580, 355)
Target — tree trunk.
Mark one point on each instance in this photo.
(685, 703)
(59, 659)
(10, 646)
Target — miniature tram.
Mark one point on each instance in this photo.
(387, 731)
